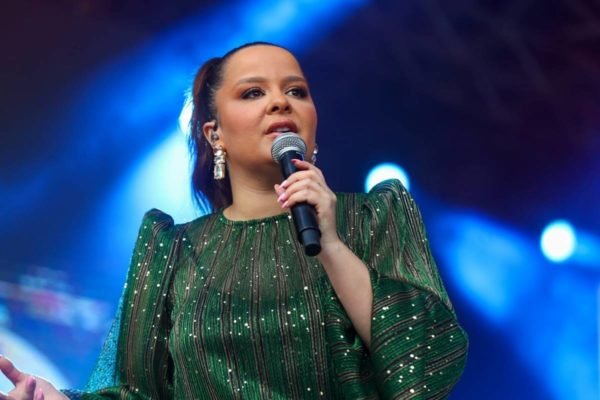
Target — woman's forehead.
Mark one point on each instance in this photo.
(260, 60)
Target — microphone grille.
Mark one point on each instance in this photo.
(285, 142)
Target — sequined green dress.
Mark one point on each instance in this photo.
(220, 309)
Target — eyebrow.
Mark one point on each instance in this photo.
(258, 79)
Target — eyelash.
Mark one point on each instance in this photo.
(302, 93)
(248, 94)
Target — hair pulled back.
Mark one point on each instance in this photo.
(209, 194)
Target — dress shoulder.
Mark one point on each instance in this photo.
(157, 219)
(385, 229)
(138, 335)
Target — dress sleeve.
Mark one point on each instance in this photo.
(134, 362)
(418, 350)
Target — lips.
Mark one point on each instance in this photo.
(282, 126)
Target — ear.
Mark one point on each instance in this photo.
(207, 130)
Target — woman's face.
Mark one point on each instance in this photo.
(263, 89)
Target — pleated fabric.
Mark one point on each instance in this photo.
(221, 309)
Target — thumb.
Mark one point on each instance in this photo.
(11, 372)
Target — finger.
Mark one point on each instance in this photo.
(39, 395)
(301, 163)
(30, 384)
(279, 190)
(302, 175)
(322, 198)
(302, 185)
(305, 165)
(297, 187)
(11, 372)
(301, 196)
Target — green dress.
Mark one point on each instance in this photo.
(220, 309)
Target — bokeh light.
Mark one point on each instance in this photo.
(385, 171)
(558, 241)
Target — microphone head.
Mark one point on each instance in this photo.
(285, 142)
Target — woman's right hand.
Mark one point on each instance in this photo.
(27, 387)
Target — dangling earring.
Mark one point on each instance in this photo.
(314, 154)
(219, 161)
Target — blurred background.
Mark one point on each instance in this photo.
(489, 110)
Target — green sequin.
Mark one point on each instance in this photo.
(218, 309)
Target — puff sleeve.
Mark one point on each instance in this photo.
(134, 362)
(418, 350)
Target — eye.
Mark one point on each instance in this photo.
(252, 93)
(298, 92)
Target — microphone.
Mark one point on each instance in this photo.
(285, 148)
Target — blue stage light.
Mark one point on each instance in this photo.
(385, 171)
(558, 241)
(547, 315)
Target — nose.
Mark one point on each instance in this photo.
(279, 104)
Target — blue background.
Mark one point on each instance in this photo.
(492, 108)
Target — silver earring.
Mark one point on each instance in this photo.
(314, 154)
(219, 161)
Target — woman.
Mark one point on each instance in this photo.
(228, 305)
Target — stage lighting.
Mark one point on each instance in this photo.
(558, 241)
(385, 171)
(185, 115)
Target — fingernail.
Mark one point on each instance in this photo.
(281, 197)
(284, 205)
(284, 183)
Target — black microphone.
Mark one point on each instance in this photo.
(285, 148)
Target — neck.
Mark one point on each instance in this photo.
(253, 195)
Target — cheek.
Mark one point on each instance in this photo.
(315, 118)
(239, 116)
(310, 116)
(311, 111)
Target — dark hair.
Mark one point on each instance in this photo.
(209, 194)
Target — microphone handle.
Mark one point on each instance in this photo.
(304, 214)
